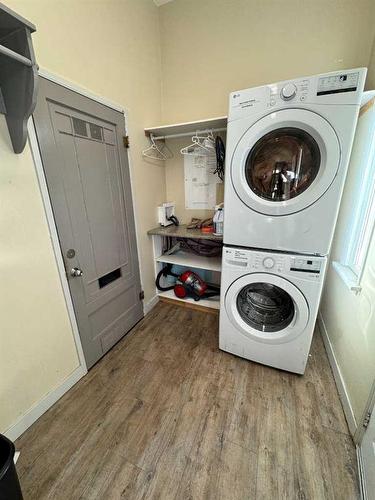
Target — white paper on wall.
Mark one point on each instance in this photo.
(200, 181)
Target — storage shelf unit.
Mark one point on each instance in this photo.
(186, 259)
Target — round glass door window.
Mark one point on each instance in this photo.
(265, 307)
(282, 164)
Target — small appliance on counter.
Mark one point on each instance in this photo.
(166, 216)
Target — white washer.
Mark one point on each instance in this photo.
(269, 304)
(288, 148)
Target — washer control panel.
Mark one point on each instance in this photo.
(305, 265)
(255, 261)
(273, 262)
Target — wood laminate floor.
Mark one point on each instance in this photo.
(166, 415)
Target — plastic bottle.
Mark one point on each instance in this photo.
(218, 220)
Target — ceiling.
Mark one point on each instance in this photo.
(161, 2)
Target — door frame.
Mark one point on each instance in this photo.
(34, 146)
(358, 436)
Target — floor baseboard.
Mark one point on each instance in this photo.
(36, 411)
(147, 306)
(340, 383)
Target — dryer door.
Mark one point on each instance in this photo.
(285, 162)
(267, 308)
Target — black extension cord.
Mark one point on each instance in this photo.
(220, 157)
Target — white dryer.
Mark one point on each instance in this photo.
(269, 304)
(288, 147)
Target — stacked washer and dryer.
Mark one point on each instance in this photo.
(288, 148)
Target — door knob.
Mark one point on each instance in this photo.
(76, 272)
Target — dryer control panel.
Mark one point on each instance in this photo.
(274, 262)
(336, 84)
(344, 87)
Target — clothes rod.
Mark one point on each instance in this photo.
(184, 134)
(16, 57)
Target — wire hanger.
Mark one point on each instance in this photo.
(200, 145)
(155, 152)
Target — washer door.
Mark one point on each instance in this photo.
(267, 308)
(285, 162)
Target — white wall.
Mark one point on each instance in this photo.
(112, 48)
(349, 319)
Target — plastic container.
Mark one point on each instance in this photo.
(10, 488)
(218, 220)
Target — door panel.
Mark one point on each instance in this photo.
(88, 180)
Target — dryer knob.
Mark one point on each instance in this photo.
(288, 92)
(268, 262)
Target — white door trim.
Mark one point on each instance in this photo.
(80, 90)
(361, 476)
(370, 407)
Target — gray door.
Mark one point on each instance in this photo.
(87, 174)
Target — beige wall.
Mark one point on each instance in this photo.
(37, 350)
(349, 319)
(112, 48)
(174, 173)
(370, 83)
(212, 47)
